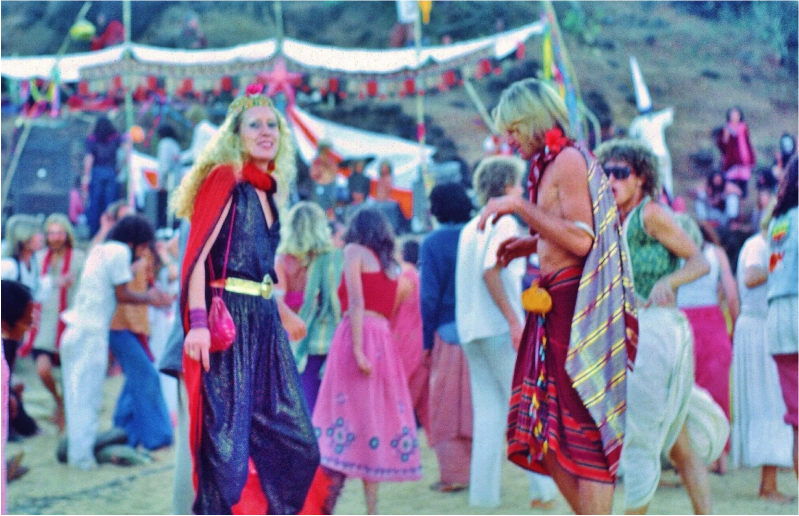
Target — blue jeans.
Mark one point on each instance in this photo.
(103, 190)
(141, 410)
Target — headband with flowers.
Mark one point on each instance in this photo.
(253, 97)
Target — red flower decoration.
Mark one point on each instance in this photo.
(255, 88)
(554, 140)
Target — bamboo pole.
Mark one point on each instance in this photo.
(127, 83)
(279, 26)
(478, 103)
(420, 127)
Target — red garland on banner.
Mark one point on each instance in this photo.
(483, 68)
(371, 88)
(410, 86)
(226, 83)
(333, 84)
(520, 50)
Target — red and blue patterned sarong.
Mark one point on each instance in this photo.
(546, 412)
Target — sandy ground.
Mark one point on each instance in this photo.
(53, 488)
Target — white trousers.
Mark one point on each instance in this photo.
(84, 364)
(491, 361)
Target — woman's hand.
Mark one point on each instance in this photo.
(65, 280)
(197, 345)
(516, 247)
(363, 363)
(662, 294)
(497, 207)
(292, 322)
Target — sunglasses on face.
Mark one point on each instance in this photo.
(617, 171)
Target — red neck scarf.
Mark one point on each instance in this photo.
(258, 178)
(554, 143)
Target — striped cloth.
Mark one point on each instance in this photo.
(604, 332)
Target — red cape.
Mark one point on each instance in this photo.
(208, 207)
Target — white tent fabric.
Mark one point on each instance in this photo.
(306, 55)
(347, 142)
(351, 143)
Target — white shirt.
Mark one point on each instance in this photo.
(754, 253)
(703, 291)
(11, 269)
(107, 266)
(476, 314)
(168, 157)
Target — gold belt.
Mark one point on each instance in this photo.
(247, 287)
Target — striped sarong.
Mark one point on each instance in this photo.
(546, 412)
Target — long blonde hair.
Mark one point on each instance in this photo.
(225, 148)
(63, 221)
(534, 106)
(306, 233)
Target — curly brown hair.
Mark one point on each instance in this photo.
(636, 154)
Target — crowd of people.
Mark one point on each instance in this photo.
(565, 318)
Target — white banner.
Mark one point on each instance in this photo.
(407, 11)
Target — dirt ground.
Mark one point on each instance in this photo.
(53, 488)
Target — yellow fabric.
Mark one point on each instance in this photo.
(130, 316)
(426, 6)
(536, 300)
(250, 288)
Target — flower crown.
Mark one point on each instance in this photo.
(253, 97)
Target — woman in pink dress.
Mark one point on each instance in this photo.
(737, 154)
(364, 414)
(406, 327)
(699, 300)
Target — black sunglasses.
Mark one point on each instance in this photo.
(618, 171)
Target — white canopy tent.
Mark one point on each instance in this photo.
(334, 60)
(347, 142)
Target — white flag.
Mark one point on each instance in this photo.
(407, 11)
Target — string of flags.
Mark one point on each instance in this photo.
(96, 92)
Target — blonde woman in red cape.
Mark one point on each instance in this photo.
(247, 412)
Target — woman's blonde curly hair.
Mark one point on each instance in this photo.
(225, 148)
(306, 232)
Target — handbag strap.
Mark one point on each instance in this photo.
(227, 250)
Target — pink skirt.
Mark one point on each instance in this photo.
(712, 353)
(788, 371)
(365, 424)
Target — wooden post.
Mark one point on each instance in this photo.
(478, 103)
(279, 26)
(420, 127)
(127, 58)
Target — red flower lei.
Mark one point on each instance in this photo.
(258, 178)
(554, 143)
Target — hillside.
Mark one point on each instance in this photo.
(700, 58)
